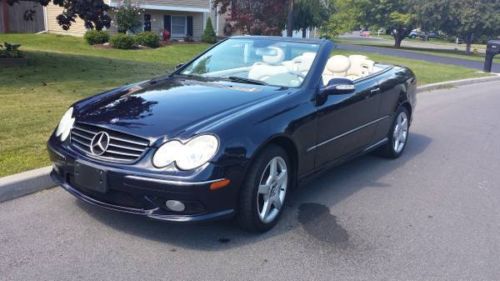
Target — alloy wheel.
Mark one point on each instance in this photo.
(272, 189)
(400, 133)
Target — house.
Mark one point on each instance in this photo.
(22, 16)
(182, 18)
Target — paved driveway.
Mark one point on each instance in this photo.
(479, 65)
(433, 214)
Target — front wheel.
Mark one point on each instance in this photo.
(263, 195)
(398, 136)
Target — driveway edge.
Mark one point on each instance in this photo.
(18, 185)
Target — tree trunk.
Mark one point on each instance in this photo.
(289, 25)
(304, 33)
(397, 41)
(468, 42)
(398, 35)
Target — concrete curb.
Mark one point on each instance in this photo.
(456, 83)
(25, 183)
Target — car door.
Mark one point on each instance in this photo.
(346, 123)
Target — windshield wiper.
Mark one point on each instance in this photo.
(247, 80)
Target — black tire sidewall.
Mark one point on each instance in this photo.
(248, 216)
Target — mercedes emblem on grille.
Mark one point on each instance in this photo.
(99, 143)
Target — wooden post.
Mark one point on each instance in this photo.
(5, 10)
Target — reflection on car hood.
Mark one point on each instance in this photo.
(169, 107)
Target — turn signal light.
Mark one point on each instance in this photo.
(220, 184)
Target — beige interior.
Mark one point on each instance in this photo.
(274, 65)
(353, 67)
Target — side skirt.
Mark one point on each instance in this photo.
(340, 161)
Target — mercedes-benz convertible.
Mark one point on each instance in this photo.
(232, 132)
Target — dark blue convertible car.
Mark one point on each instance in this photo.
(231, 132)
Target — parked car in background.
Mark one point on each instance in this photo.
(230, 133)
(365, 33)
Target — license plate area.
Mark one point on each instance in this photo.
(90, 177)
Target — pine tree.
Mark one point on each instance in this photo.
(209, 33)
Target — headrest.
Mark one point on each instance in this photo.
(338, 64)
(275, 56)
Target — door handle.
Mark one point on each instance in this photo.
(374, 91)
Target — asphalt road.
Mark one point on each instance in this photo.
(479, 65)
(433, 214)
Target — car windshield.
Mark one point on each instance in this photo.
(256, 61)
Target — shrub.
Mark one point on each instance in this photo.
(209, 33)
(148, 38)
(9, 50)
(128, 16)
(122, 41)
(96, 37)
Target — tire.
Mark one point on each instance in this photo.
(390, 149)
(258, 184)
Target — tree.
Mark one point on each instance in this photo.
(395, 15)
(466, 19)
(128, 17)
(93, 13)
(209, 33)
(343, 18)
(309, 14)
(262, 17)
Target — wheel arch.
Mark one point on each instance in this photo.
(290, 148)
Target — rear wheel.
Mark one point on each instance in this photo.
(398, 136)
(263, 195)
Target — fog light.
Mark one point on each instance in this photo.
(176, 206)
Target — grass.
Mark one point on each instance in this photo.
(61, 71)
(64, 69)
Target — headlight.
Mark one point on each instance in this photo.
(65, 125)
(188, 156)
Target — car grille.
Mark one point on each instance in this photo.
(122, 147)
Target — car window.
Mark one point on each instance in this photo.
(268, 61)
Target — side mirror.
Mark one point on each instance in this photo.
(339, 86)
(179, 66)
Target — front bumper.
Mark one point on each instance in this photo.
(140, 193)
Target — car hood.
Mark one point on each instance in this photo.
(169, 107)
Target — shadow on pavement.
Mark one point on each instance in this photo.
(307, 207)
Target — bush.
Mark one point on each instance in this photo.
(9, 50)
(128, 16)
(209, 33)
(148, 38)
(122, 41)
(96, 37)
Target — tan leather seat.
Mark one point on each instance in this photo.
(301, 64)
(271, 65)
(336, 67)
(361, 66)
(356, 69)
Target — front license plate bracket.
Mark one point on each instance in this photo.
(90, 178)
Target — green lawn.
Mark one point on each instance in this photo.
(64, 69)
